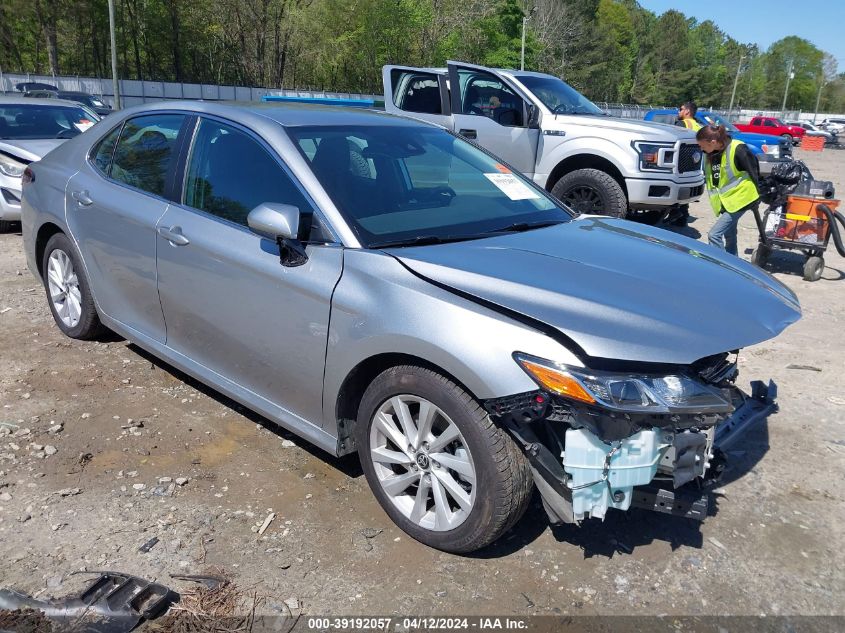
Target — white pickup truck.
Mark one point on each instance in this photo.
(552, 133)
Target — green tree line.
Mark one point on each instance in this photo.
(612, 50)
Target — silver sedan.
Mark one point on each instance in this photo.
(378, 285)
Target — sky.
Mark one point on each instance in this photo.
(763, 23)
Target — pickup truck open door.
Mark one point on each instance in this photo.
(485, 108)
(488, 109)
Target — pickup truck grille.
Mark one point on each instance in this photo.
(686, 158)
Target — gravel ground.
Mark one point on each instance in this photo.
(107, 448)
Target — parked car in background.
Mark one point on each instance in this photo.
(774, 127)
(812, 130)
(29, 129)
(95, 103)
(26, 86)
(833, 125)
(773, 146)
(553, 134)
(379, 285)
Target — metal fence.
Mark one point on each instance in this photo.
(134, 92)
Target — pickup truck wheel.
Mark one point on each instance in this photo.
(436, 462)
(787, 137)
(591, 191)
(68, 293)
(6, 226)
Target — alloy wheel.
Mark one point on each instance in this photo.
(422, 462)
(64, 290)
(584, 200)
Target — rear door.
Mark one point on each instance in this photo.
(229, 304)
(113, 205)
(487, 109)
(420, 93)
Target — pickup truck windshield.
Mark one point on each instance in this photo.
(558, 96)
(24, 122)
(408, 185)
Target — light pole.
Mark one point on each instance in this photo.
(789, 76)
(736, 80)
(113, 57)
(525, 19)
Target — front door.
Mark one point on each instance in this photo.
(487, 110)
(113, 205)
(230, 306)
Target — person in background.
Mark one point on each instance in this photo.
(731, 176)
(686, 116)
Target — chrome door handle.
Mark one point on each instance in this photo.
(173, 235)
(82, 198)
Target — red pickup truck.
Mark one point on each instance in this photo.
(772, 126)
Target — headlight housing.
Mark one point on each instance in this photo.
(633, 393)
(11, 167)
(655, 156)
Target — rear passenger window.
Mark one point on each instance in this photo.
(104, 150)
(415, 91)
(145, 152)
(230, 173)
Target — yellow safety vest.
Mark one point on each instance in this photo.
(738, 190)
(692, 124)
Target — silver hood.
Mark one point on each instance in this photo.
(619, 290)
(31, 150)
(645, 130)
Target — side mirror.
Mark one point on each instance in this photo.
(274, 221)
(279, 222)
(533, 117)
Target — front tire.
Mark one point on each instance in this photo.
(591, 191)
(68, 292)
(436, 462)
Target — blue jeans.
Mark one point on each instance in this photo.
(723, 233)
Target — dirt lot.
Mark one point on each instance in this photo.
(100, 432)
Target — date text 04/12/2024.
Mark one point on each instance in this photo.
(422, 623)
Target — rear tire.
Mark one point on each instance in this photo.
(592, 191)
(6, 226)
(462, 453)
(68, 293)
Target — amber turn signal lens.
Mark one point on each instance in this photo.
(558, 381)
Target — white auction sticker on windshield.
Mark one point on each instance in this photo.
(83, 125)
(512, 187)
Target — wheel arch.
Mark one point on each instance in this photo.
(359, 378)
(585, 161)
(45, 232)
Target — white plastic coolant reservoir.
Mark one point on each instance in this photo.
(633, 464)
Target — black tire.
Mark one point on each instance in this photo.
(760, 256)
(89, 326)
(813, 268)
(592, 191)
(504, 482)
(788, 137)
(6, 226)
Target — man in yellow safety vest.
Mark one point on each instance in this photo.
(731, 176)
(686, 116)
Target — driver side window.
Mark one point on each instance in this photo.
(486, 95)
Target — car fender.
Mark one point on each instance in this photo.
(555, 149)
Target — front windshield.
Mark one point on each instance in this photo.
(716, 119)
(558, 96)
(411, 184)
(29, 122)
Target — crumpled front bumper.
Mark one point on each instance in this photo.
(668, 469)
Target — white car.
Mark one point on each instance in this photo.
(29, 128)
(813, 130)
(837, 126)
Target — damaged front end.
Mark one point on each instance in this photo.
(642, 436)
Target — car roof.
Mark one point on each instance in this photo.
(286, 114)
(4, 100)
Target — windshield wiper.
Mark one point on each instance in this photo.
(520, 227)
(424, 240)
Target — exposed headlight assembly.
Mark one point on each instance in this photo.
(11, 167)
(633, 393)
(655, 156)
